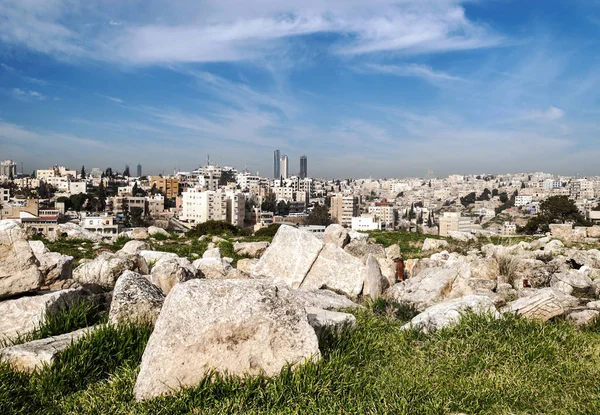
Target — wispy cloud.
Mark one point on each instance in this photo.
(413, 70)
(550, 114)
(113, 99)
(28, 95)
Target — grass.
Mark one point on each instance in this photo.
(482, 366)
(410, 242)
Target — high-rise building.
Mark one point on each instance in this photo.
(303, 167)
(276, 165)
(139, 170)
(343, 209)
(8, 168)
(285, 171)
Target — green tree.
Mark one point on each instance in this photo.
(136, 217)
(226, 177)
(318, 216)
(269, 204)
(101, 195)
(109, 172)
(555, 209)
(82, 174)
(213, 227)
(468, 199)
(283, 208)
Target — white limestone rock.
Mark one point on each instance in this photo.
(374, 281)
(38, 248)
(542, 304)
(337, 235)
(246, 265)
(104, 270)
(73, 231)
(152, 257)
(135, 299)
(290, 257)
(214, 253)
(251, 249)
(325, 321)
(238, 327)
(19, 271)
(434, 245)
(134, 247)
(324, 299)
(155, 230)
(584, 317)
(170, 271)
(55, 267)
(571, 281)
(362, 250)
(139, 234)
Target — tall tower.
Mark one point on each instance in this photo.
(139, 170)
(276, 165)
(285, 166)
(303, 167)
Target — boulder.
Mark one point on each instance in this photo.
(584, 317)
(135, 299)
(152, 257)
(214, 253)
(337, 270)
(594, 231)
(139, 234)
(250, 249)
(19, 271)
(155, 230)
(38, 247)
(362, 250)
(37, 354)
(73, 231)
(461, 236)
(25, 314)
(358, 236)
(594, 305)
(542, 304)
(393, 252)
(217, 269)
(55, 267)
(325, 321)
(337, 235)
(561, 231)
(554, 247)
(389, 269)
(434, 245)
(374, 282)
(238, 327)
(590, 258)
(170, 271)
(247, 265)
(324, 299)
(449, 313)
(104, 270)
(290, 256)
(134, 247)
(571, 281)
(485, 268)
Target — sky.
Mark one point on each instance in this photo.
(377, 88)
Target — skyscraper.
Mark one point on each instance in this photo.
(276, 165)
(139, 170)
(303, 167)
(285, 166)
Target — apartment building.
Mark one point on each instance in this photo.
(385, 213)
(199, 206)
(366, 222)
(102, 224)
(169, 186)
(453, 222)
(343, 209)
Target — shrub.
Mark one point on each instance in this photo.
(213, 227)
(269, 231)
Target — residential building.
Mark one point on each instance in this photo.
(285, 168)
(343, 209)
(119, 204)
(168, 186)
(102, 224)
(276, 165)
(509, 228)
(8, 169)
(156, 205)
(4, 195)
(366, 222)
(77, 187)
(200, 206)
(236, 208)
(523, 200)
(44, 223)
(453, 222)
(385, 213)
(261, 219)
(303, 167)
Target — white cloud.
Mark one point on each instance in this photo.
(550, 114)
(414, 70)
(27, 95)
(113, 99)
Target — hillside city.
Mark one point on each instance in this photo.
(109, 202)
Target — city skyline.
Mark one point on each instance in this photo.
(379, 89)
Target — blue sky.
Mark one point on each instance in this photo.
(376, 88)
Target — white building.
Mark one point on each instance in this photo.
(100, 224)
(8, 168)
(523, 200)
(77, 187)
(201, 206)
(4, 195)
(366, 223)
(384, 212)
(285, 164)
(453, 222)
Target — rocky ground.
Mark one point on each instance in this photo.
(193, 309)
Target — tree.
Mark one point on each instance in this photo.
(269, 231)
(82, 174)
(503, 197)
(318, 216)
(213, 227)
(101, 195)
(269, 204)
(126, 172)
(137, 219)
(109, 172)
(125, 210)
(283, 208)
(429, 221)
(485, 195)
(226, 177)
(468, 199)
(555, 209)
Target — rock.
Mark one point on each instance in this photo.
(25, 314)
(393, 252)
(28, 357)
(374, 282)
(337, 235)
(324, 321)
(594, 231)
(38, 247)
(485, 268)
(217, 240)
(170, 271)
(561, 231)
(152, 257)
(247, 265)
(554, 247)
(428, 287)
(434, 245)
(139, 234)
(363, 250)
(449, 312)
(358, 236)
(73, 231)
(576, 281)
(155, 230)
(135, 299)
(584, 317)
(542, 305)
(290, 256)
(216, 269)
(590, 258)
(104, 270)
(336, 270)
(506, 291)
(324, 299)
(461, 236)
(238, 327)
(594, 305)
(251, 249)
(214, 253)
(134, 247)
(55, 267)
(19, 271)
(389, 269)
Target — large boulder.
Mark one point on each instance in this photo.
(218, 269)
(134, 247)
(337, 270)
(19, 271)
(590, 258)
(250, 249)
(246, 265)
(105, 269)
(584, 317)
(73, 231)
(152, 257)
(485, 268)
(290, 256)
(594, 231)
(461, 236)
(374, 281)
(389, 269)
(434, 245)
(393, 252)
(170, 271)
(238, 327)
(135, 299)
(337, 235)
(542, 304)
(25, 314)
(37, 354)
(155, 230)
(362, 250)
(324, 299)
(214, 253)
(561, 231)
(139, 234)
(449, 312)
(571, 281)
(55, 267)
(325, 321)
(38, 248)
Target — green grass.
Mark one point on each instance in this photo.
(482, 366)
(410, 242)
